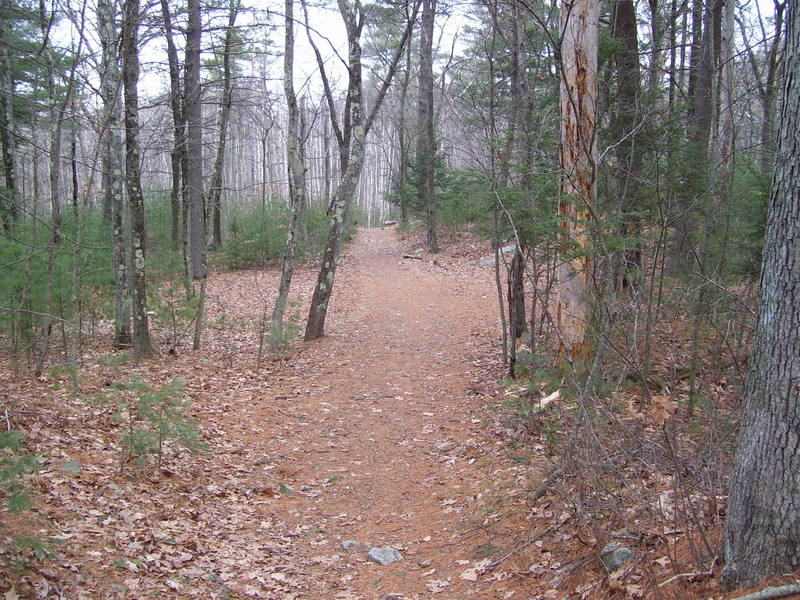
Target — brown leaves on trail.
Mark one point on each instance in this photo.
(662, 408)
(366, 434)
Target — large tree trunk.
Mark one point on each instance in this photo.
(297, 177)
(142, 345)
(579, 22)
(193, 115)
(762, 532)
(426, 151)
(112, 167)
(224, 117)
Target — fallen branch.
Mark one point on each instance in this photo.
(778, 591)
(412, 256)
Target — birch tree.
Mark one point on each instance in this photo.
(142, 344)
(297, 175)
(112, 180)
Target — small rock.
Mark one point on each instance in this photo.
(425, 563)
(419, 250)
(350, 544)
(393, 597)
(614, 556)
(304, 488)
(384, 555)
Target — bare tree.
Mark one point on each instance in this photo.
(426, 150)
(193, 115)
(224, 118)
(351, 138)
(297, 175)
(179, 165)
(112, 181)
(142, 344)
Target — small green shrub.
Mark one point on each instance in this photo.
(15, 463)
(153, 417)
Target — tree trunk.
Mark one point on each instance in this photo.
(193, 114)
(178, 153)
(625, 125)
(297, 179)
(142, 345)
(112, 182)
(224, 117)
(9, 208)
(402, 168)
(762, 532)
(426, 151)
(579, 22)
(699, 133)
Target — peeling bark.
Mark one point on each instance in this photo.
(579, 24)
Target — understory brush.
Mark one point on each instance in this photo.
(638, 446)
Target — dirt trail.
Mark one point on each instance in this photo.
(382, 443)
(374, 434)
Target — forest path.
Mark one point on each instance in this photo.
(380, 432)
(380, 440)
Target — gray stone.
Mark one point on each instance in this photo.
(305, 488)
(615, 555)
(384, 555)
(425, 563)
(350, 544)
(393, 597)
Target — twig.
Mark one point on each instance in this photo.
(412, 256)
(779, 591)
(508, 555)
(696, 574)
(491, 566)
